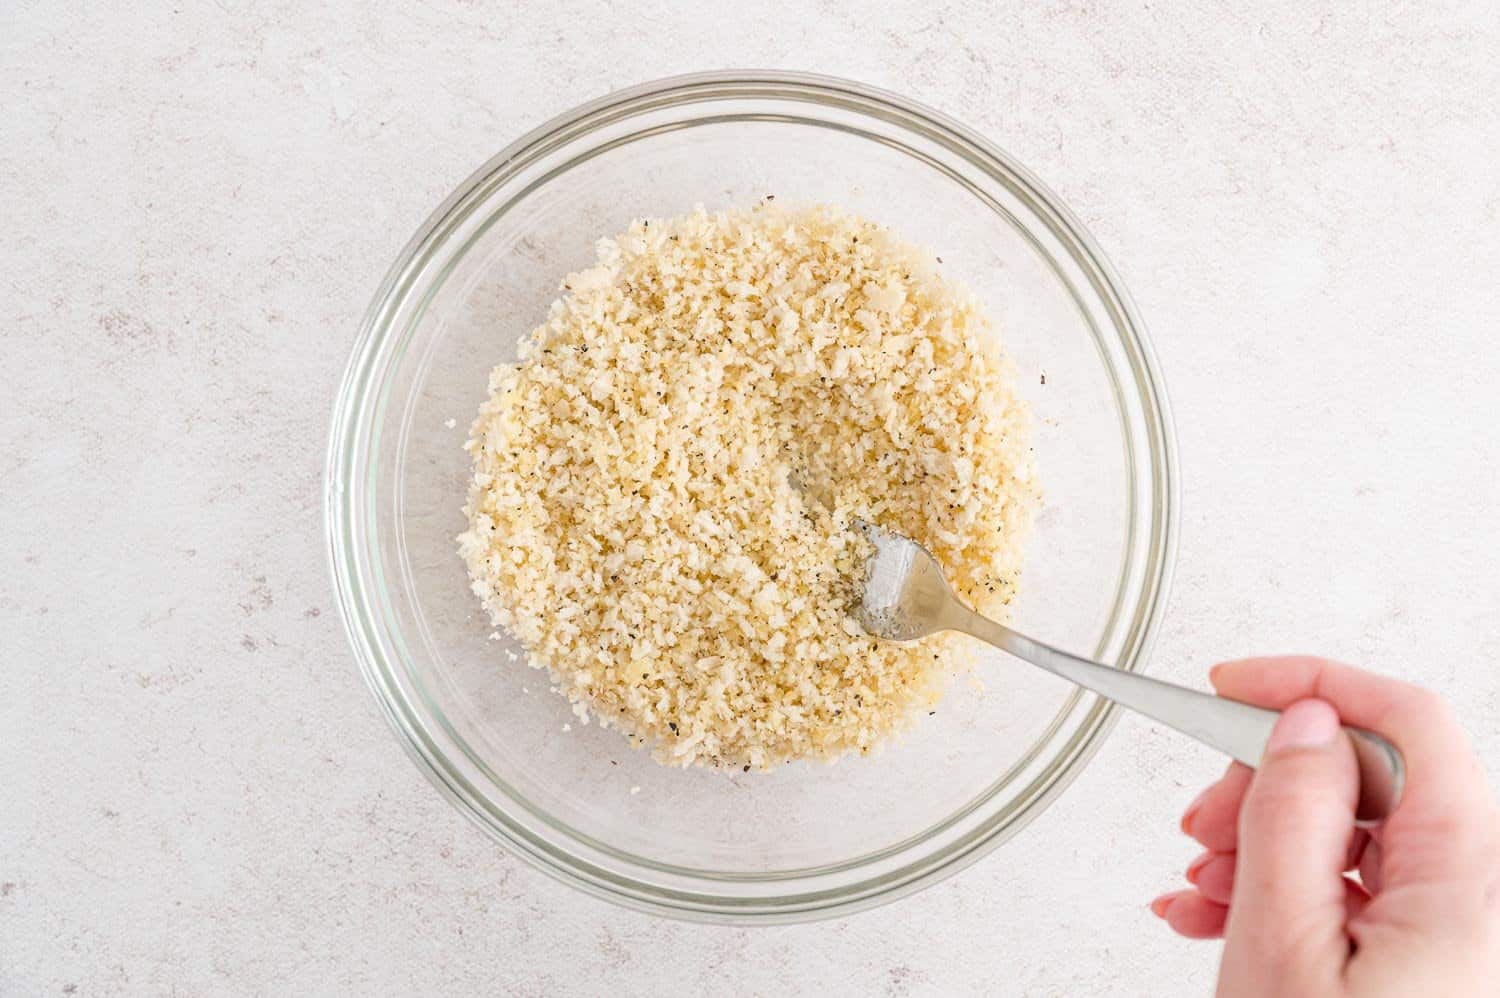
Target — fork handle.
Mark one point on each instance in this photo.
(1239, 730)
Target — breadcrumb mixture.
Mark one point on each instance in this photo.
(663, 484)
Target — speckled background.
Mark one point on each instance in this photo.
(199, 795)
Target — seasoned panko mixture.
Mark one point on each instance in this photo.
(663, 485)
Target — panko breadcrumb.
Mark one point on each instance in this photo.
(663, 485)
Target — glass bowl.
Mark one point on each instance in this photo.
(808, 840)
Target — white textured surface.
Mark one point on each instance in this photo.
(199, 794)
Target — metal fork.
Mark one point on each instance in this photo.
(906, 596)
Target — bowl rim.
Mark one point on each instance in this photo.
(1160, 547)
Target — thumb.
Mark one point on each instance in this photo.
(1286, 918)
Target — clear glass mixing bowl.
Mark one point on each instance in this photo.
(809, 840)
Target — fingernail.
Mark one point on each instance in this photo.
(1196, 867)
(1213, 673)
(1305, 724)
(1160, 905)
(1192, 810)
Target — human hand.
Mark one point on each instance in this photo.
(1423, 915)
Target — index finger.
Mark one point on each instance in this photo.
(1446, 792)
